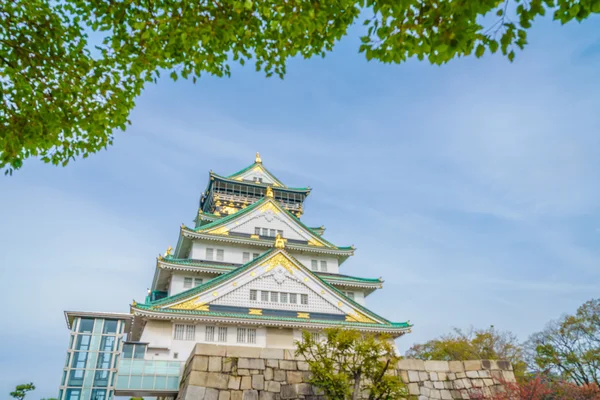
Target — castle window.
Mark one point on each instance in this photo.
(264, 296)
(316, 336)
(265, 231)
(179, 330)
(314, 265)
(209, 334)
(187, 282)
(274, 297)
(253, 295)
(293, 298)
(210, 254)
(257, 230)
(272, 232)
(283, 297)
(222, 334)
(251, 335)
(280, 232)
(255, 255)
(350, 295)
(220, 254)
(241, 335)
(245, 257)
(198, 281)
(190, 332)
(304, 299)
(323, 266)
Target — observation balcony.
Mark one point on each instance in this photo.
(140, 378)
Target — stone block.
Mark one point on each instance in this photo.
(489, 364)
(194, 393)
(254, 371)
(234, 382)
(287, 365)
(210, 349)
(304, 388)
(456, 366)
(243, 371)
(236, 395)
(288, 392)
(423, 376)
(273, 363)
(428, 384)
(437, 366)
(407, 364)
(258, 382)
(413, 388)
(477, 383)
(413, 376)
(438, 385)
(448, 385)
(200, 363)
(433, 376)
(271, 353)
(279, 375)
(306, 375)
(404, 376)
(446, 395)
(251, 363)
(294, 377)
(214, 364)
(224, 395)
(250, 395)
(269, 374)
(497, 375)
(472, 365)
(272, 386)
(488, 382)
(302, 365)
(211, 394)
(266, 396)
(504, 365)
(461, 375)
(472, 374)
(217, 381)
(198, 378)
(485, 374)
(425, 391)
(508, 376)
(246, 383)
(243, 352)
(434, 394)
(451, 376)
(229, 364)
(442, 376)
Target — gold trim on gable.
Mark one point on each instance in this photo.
(220, 231)
(282, 260)
(269, 207)
(191, 304)
(359, 317)
(303, 315)
(254, 311)
(314, 242)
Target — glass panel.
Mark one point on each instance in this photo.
(67, 360)
(160, 382)
(60, 393)
(98, 326)
(104, 360)
(187, 283)
(140, 350)
(79, 359)
(101, 378)
(173, 382)
(135, 381)
(95, 343)
(127, 350)
(86, 325)
(137, 367)
(98, 394)
(73, 394)
(110, 326)
(148, 382)
(107, 343)
(83, 342)
(76, 377)
(63, 382)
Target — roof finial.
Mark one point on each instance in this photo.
(279, 242)
(169, 251)
(258, 160)
(269, 192)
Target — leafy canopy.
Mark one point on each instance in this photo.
(63, 93)
(21, 390)
(348, 362)
(475, 344)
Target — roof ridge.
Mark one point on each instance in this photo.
(261, 166)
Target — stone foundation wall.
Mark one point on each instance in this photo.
(215, 372)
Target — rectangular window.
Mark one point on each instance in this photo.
(139, 352)
(104, 360)
(350, 295)
(304, 299)
(178, 333)
(222, 334)
(245, 257)
(316, 336)
(293, 298)
(101, 378)
(209, 254)
(198, 281)
(190, 332)
(280, 232)
(274, 297)
(220, 254)
(209, 336)
(79, 359)
(110, 326)
(255, 255)
(253, 295)
(127, 350)
(76, 377)
(241, 335)
(264, 296)
(314, 265)
(187, 282)
(98, 394)
(86, 325)
(265, 232)
(251, 335)
(323, 266)
(83, 342)
(283, 297)
(272, 232)
(107, 343)
(257, 231)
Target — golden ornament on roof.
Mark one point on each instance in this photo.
(279, 242)
(169, 251)
(258, 160)
(269, 191)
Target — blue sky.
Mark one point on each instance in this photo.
(472, 188)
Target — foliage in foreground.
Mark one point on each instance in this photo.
(21, 390)
(62, 94)
(475, 344)
(541, 389)
(348, 362)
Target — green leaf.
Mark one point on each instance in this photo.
(480, 50)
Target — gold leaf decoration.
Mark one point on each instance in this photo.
(303, 315)
(358, 317)
(314, 242)
(191, 304)
(220, 231)
(254, 311)
(269, 207)
(282, 260)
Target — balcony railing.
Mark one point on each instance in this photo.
(148, 376)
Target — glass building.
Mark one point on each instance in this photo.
(95, 346)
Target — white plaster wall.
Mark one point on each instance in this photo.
(177, 279)
(306, 260)
(359, 296)
(255, 172)
(270, 220)
(158, 333)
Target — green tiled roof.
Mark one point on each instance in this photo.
(235, 272)
(397, 325)
(254, 165)
(197, 263)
